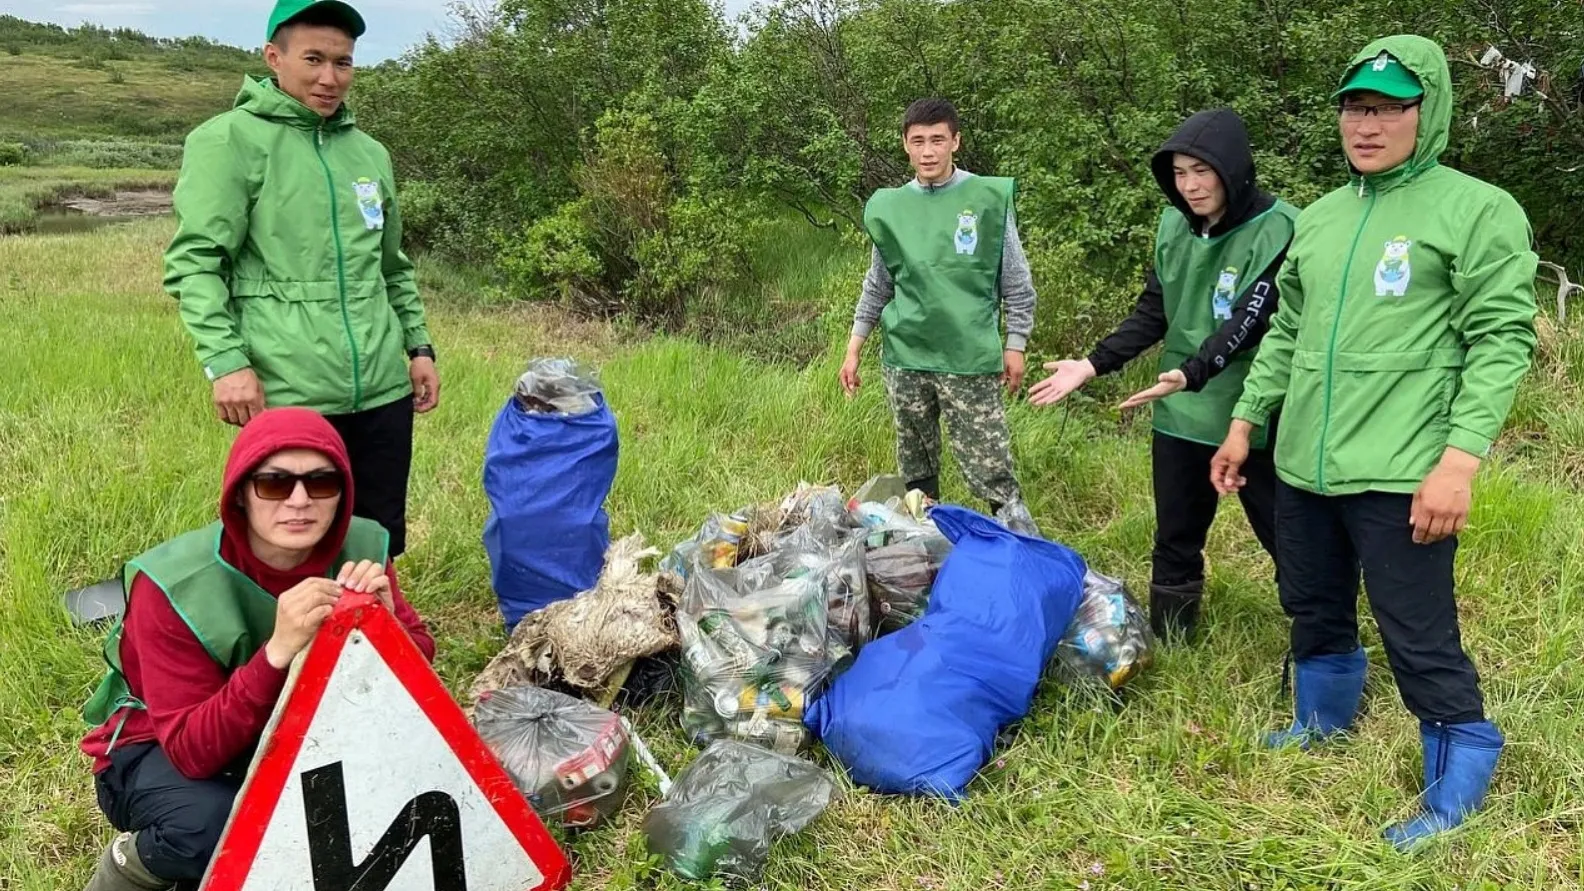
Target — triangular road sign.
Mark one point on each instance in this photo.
(370, 778)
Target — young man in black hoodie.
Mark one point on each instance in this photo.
(1209, 296)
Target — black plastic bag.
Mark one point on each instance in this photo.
(726, 809)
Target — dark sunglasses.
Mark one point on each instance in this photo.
(275, 486)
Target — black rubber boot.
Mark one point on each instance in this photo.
(120, 869)
(929, 485)
(1174, 610)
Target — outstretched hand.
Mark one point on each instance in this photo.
(1070, 375)
(1171, 382)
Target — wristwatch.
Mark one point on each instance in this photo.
(426, 351)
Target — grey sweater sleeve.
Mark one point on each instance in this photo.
(878, 289)
(1017, 288)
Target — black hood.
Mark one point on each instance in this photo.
(1218, 138)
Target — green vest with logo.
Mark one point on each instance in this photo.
(227, 611)
(1201, 280)
(943, 250)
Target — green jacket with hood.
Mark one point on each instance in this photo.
(1406, 318)
(287, 257)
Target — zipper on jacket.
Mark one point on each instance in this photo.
(335, 231)
(1336, 325)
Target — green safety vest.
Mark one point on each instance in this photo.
(227, 611)
(943, 250)
(1201, 280)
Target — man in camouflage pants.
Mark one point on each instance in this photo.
(946, 257)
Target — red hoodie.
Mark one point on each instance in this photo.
(201, 715)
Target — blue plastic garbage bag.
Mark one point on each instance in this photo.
(919, 710)
(547, 477)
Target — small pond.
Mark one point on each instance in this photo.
(61, 221)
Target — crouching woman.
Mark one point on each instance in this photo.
(214, 619)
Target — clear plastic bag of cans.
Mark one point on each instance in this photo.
(568, 757)
(1109, 639)
(754, 651)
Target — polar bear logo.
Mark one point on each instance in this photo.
(967, 236)
(1225, 290)
(1393, 272)
(368, 198)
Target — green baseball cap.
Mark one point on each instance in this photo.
(1384, 75)
(341, 13)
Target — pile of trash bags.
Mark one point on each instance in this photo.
(572, 759)
(902, 634)
(778, 599)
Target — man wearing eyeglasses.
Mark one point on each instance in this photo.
(1406, 323)
(287, 260)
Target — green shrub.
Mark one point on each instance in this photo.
(556, 258)
(635, 241)
(105, 154)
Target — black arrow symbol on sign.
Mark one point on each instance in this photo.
(432, 814)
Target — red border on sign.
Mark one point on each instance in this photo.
(257, 802)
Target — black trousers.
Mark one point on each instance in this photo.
(178, 821)
(1185, 505)
(1325, 544)
(379, 442)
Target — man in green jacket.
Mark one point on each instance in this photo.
(287, 260)
(1406, 323)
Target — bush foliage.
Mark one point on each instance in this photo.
(636, 182)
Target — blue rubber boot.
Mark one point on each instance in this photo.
(1326, 694)
(1458, 762)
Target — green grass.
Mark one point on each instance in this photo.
(23, 190)
(48, 98)
(107, 446)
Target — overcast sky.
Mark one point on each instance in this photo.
(393, 25)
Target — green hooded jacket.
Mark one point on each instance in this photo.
(1406, 318)
(287, 257)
